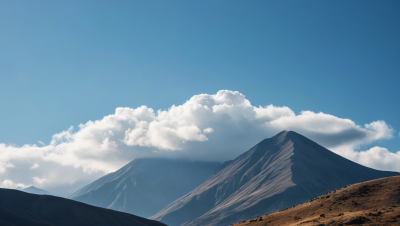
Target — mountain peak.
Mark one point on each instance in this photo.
(280, 136)
(279, 172)
(35, 190)
(287, 135)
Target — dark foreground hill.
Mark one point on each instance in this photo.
(375, 202)
(279, 172)
(145, 186)
(20, 209)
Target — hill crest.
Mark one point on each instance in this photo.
(375, 202)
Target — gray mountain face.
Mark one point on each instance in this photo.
(145, 186)
(35, 190)
(285, 170)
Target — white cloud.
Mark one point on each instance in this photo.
(207, 127)
(10, 165)
(35, 166)
(376, 157)
(10, 184)
(40, 142)
(4, 165)
(39, 181)
(208, 130)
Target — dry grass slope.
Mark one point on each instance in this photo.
(375, 202)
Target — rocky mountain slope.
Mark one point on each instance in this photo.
(20, 208)
(279, 172)
(375, 202)
(145, 186)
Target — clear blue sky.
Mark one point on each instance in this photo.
(66, 62)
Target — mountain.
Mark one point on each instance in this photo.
(145, 186)
(35, 190)
(373, 202)
(20, 208)
(279, 172)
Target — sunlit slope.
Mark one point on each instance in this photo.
(373, 202)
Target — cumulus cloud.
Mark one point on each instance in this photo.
(10, 184)
(35, 166)
(39, 181)
(9, 165)
(207, 127)
(376, 157)
(6, 165)
(208, 130)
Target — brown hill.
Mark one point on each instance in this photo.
(373, 202)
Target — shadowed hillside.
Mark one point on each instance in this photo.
(20, 208)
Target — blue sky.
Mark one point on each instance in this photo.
(63, 63)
